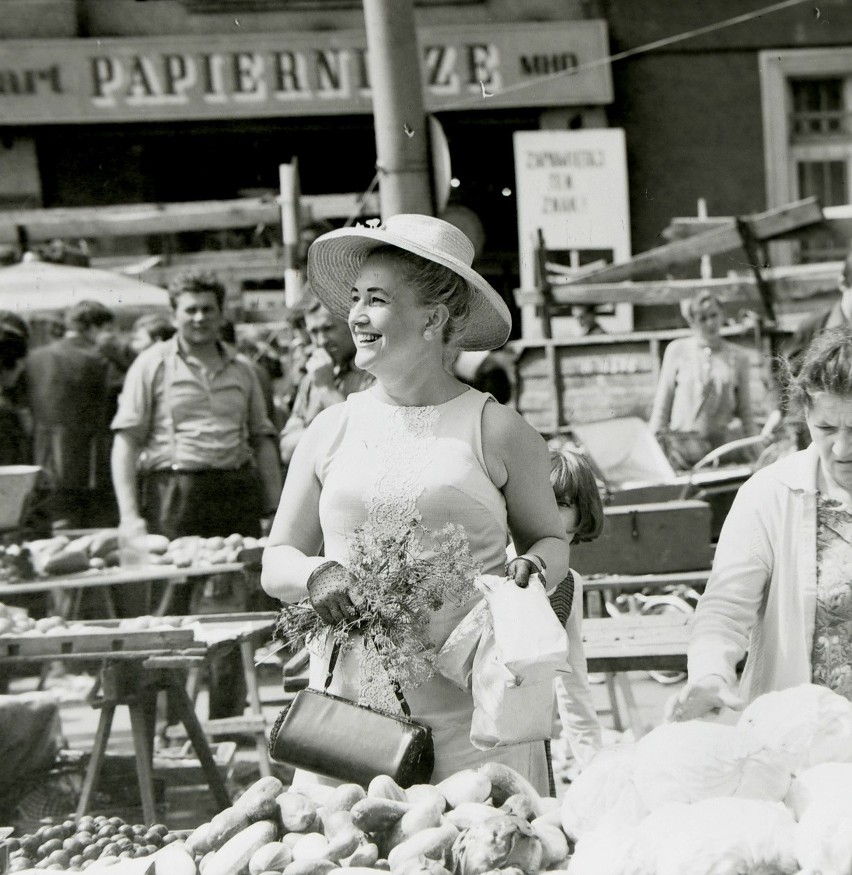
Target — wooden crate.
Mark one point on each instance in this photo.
(649, 539)
(592, 379)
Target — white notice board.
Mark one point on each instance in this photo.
(573, 186)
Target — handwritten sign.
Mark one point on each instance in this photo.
(572, 185)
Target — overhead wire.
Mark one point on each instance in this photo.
(596, 62)
(470, 102)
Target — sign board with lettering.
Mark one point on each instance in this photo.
(469, 66)
(573, 186)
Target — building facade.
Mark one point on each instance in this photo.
(126, 101)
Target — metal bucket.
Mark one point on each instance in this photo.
(16, 484)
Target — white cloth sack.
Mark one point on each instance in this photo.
(531, 642)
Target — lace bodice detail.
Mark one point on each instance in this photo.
(404, 439)
(393, 466)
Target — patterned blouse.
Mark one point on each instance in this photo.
(831, 659)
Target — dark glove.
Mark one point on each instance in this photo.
(328, 591)
(521, 568)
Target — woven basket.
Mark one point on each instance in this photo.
(49, 798)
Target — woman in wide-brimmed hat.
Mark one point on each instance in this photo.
(402, 460)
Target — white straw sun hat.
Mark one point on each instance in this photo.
(335, 259)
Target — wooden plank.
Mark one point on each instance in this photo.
(836, 220)
(118, 577)
(724, 238)
(616, 583)
(787, 286)
(97, 639)
(631, 643)
(170, 218)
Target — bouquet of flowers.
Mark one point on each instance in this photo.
(398, 580)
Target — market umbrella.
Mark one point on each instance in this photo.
(39, 291)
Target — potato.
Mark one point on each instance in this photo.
(272, 857)
(465, 786)
(156, 544)
(259, 800)
(343, 797)
(384, 787)
(434, 844)
(297, 812)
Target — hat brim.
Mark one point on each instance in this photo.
(335, 260)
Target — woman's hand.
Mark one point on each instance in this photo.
(328, 591)
(521, 568)
(707, 696)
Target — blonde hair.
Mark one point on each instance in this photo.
(699, 300)
(434, 284)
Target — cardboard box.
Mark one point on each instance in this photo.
(649, 539)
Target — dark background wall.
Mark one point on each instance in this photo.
(692, 110)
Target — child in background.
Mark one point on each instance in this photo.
(581, 509)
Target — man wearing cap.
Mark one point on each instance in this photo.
(194, 450)
(69, 399)
(331, 373)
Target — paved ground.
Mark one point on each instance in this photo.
(187, 806)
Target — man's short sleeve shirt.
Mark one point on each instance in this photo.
(186, 417)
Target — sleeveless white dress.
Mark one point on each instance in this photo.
(386, 466)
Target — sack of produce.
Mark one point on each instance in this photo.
(603, 793)
(809, 724)
(746, 836)
(691, 761)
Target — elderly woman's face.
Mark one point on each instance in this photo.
(829, 421)
(387, 320)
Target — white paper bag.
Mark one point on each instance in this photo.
(531, 642)
(454, 660)
(505, 712)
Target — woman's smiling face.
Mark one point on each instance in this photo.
(386, 318)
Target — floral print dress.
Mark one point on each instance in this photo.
(831, 659)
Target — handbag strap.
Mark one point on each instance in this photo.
(332, 662)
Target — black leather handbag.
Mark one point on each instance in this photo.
(349, 742)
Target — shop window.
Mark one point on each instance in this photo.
(806, 97)
(827, 180)
(817, 107)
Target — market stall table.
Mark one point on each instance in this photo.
(617, 645)
(637, 643)
(69, 589)
(618, 583)
(135, 667)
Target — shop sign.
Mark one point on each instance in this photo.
(607, 364)
(571, 186)
(284, 74)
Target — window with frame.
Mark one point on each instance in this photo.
(820, 126)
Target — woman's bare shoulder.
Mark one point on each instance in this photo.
(505, 427)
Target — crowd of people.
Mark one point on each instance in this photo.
(386, 424)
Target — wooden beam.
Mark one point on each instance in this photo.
(238, 264)
(170, 218)
(836, 220)
(787, 284)
(723, 238)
